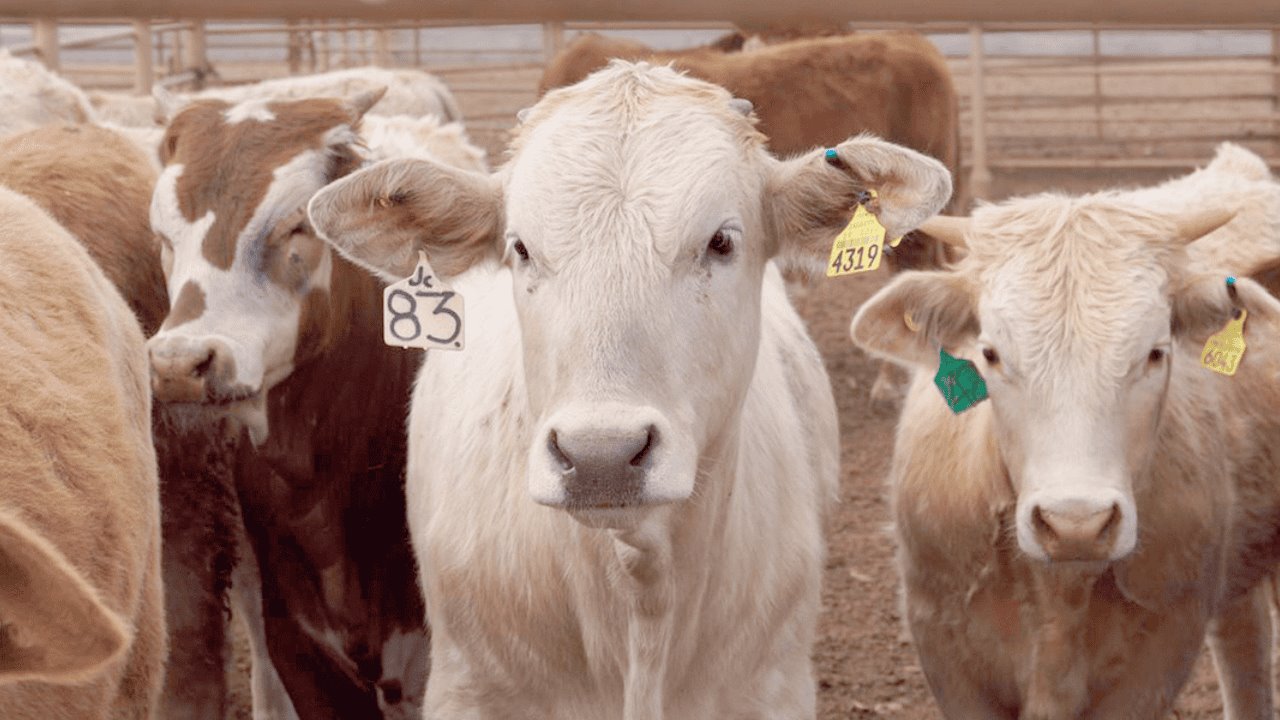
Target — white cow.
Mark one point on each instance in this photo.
(32, 96)
(1065, 546)
(616, 491)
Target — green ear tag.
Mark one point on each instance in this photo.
(959, 382)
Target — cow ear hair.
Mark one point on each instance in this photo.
(913, 316)
(382, 216)
(810, 199)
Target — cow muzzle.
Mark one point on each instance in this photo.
(609, 457)
(194, 370)
(1094, 526)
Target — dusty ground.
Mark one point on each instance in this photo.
(866, 667)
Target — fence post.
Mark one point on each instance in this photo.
(45, 31)
(1275, 82)
(980, 172)
(1097, 81)
(382, 56)
(552, 38)
(195, 54)
(295, 47)
(143, 70)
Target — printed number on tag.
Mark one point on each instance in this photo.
(1223, 350)
(859, 247)
(421, 311)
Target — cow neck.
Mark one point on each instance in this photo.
(342, 410)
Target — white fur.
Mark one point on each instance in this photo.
(699, 601)
(409, 92)
(32, 96)
(255, 109)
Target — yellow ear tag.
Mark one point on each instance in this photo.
(859, 247)
(422, 311)
(1223, 350)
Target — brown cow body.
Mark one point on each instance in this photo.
(98, 186)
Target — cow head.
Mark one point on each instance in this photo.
(637, 214)
(247, 278)
(1076, 312)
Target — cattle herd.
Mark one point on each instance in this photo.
(609, 502)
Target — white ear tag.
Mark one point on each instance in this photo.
(421, 311)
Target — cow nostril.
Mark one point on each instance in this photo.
(553, 445)
(1042, 526)
(392, 692)
(202, 368)
(649, 440)
(1113, 521)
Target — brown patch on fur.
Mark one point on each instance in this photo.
(228, 167)
(188, 306)
(97, 185)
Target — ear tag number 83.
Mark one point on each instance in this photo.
(423, 312)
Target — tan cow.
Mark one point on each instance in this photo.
(98, 187)
(82, 633)
(1065, 546)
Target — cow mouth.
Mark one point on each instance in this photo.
(246, 407)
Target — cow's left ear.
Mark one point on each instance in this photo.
(1203, 304)
(811, 198)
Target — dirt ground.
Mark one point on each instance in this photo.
(866, 667)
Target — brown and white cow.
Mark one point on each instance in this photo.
(616, 490)
(272, 328)
(1065, 546)
(82, 632)
(98, 187)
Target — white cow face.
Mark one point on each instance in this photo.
(637, 214)
(1074, 311)
(246, 275)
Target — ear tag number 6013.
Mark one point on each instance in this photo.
(422, 311)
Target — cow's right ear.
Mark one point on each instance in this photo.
(53, 627)
(381, 217)
(911, 317)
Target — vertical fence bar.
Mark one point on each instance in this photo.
(552, 38)
(143, 59)
(323, 48)
(195, 54)
(1097, 81)
(382, 56)
(1275, 82)
(45, 33)
(294, 53)
(980, 173)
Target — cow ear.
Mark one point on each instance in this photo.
(381, 217)
(53, 626)
(811, 198)
(911, 317)
(1204, 304)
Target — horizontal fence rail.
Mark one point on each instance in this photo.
(1066, 95)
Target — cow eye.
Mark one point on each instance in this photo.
(721, 244)
(521, 250)
(990, 355)
(1156, 355)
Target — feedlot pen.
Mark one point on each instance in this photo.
(1070, 107)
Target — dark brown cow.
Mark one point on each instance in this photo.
(98, 186)
(270, 328)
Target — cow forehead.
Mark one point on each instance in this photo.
(232, 157)
(1072, 287)
(633, 156)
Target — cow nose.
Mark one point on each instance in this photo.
(1076, 531)
(183, 369)
(602, 467)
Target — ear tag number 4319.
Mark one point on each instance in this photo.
(860, 246)
(421, 311)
